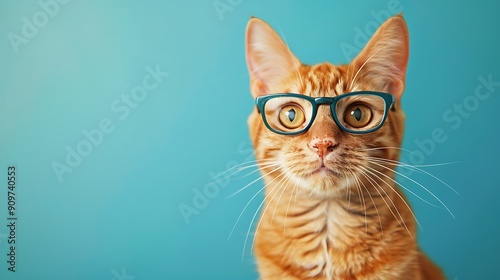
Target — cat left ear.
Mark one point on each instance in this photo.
(384, 59)
(269, 59)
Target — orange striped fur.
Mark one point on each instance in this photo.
(351, 222)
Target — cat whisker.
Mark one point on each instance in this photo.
(385, 148)
(423, 187)
(348, 194)
(242, 164)
(282, 185)
(255, 215)
(296, 66)
(377, 188)
(349, 199)
(286, 182)
(405, 150)
(358, 187)
(382, 148)
(413, 167)
(401, 185)
(359, 183)
(260, 177)
(294, 190)
(350, 71)
(251, 199)
(275, 189)
(366, 172)
(373, 201)
(256, 169)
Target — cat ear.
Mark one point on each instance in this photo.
(384, 59)
(269, 60)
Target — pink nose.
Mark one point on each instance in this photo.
(323, 146)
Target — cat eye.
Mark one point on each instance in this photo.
(291, 116)
(356, 112)
(358, 115)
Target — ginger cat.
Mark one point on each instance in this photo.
(332, 207)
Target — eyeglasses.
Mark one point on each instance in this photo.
(358, 112)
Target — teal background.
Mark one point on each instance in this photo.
(116, 215)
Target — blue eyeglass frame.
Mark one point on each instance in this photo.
(388, 98)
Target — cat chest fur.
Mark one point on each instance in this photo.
(321, 239)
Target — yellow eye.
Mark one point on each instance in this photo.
(291, 116)
(358, 115)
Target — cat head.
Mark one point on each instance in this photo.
(325, 158)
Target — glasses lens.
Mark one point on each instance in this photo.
(288, 114)
(361, 112)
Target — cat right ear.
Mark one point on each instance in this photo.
(269, 60)
(384, 59)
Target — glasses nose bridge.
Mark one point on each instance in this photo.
(324, 100)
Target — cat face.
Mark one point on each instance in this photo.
(325, 159)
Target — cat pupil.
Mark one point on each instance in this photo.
(357, 114)
(291, 115)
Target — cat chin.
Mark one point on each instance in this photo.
(323, 183)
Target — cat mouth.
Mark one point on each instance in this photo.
(324, 171)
